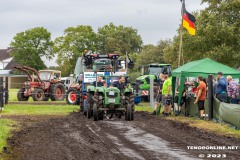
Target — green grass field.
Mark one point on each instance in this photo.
(220, 129)
(6, 126)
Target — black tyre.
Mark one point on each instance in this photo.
(99, 103)
(128, 113)
(57, 92)
(89, 111)
(129, 106)
(20, 95)
(90, 102)
(95, 112)
(132, 105)
(38, 94)
(73, 96)
(84, 107)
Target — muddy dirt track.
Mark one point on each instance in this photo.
(147, 137)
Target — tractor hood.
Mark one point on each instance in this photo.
(144, 81)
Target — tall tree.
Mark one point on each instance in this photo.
(152, 54)
(122, 39)
(71, 46)
(217, 35)
(30, 46)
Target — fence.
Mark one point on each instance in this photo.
(229, 113)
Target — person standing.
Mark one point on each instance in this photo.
(159, 93)
(167, 95)
(221, 88)
(214, 86)
(201, 96)
(232, 90)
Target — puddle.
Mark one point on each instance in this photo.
(124, 150)
(158, 147)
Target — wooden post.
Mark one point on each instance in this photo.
(6, 90)
(1, 93)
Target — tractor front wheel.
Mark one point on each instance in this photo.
(88, 110)
(128, 113)
(95, 112)
(73, 96)
(57, 92)
(20, 95)
(38, 94)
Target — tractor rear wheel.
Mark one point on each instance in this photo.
(99, 103)
(38, 94)
(132, 105)
(57, 92)
(88, 110)
(95, 112)
(89, 104)
(73, 96)
(130, 102)
(20, 95)
(85, 107)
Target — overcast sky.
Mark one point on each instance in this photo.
(154, 19)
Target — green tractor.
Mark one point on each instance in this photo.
(104, 101)
(148, 72)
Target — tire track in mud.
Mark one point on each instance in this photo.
(146, 143)
(76, 137)
(114, 143)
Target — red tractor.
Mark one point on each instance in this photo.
(41, 85)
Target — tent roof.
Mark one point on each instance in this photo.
(204, 67)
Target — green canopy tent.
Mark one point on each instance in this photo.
(202, 67)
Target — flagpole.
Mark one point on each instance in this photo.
(180, 52)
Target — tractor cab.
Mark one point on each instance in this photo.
(102, 65)
(50, 75)
(154, 69)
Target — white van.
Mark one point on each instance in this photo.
(66, 82)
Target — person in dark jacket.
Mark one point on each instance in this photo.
(120, 84)
(99, 82)
(221, 88)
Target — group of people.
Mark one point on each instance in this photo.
(226, 89)
(120, 83)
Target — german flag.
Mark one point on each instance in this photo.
(188, 20)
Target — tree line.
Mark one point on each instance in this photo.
(217, 37)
